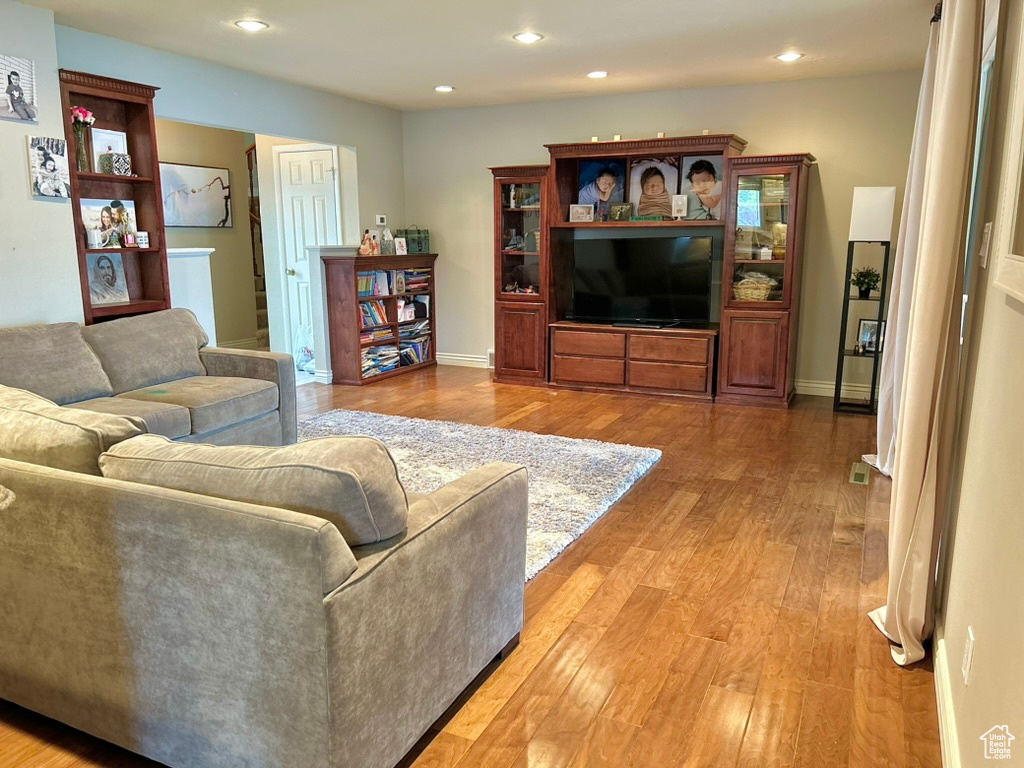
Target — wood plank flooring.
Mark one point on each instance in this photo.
(715, 616)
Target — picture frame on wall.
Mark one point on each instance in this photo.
(702, 184)
(652, 183)
(195, 195)
(869, 336)
(107, 284)
(18, 100)
(48, 167)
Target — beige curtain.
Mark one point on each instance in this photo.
(925, 420)
(894, 353)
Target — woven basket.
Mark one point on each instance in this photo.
(751, 291)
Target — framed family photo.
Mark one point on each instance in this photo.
(652, 183)
(18, 101)
(580, 213)
(195, 195)
(869, 336)
(702, 184)
(48, 167)
(108, 223)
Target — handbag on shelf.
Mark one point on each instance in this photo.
(417, 240)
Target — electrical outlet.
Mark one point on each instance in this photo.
(965, 667)
(382, 220)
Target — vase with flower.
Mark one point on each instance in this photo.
(81, 123)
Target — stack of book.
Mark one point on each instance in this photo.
(378, 360)
(382, 282)
(417, 279)
(372, 313)
(378, 335)
(415, 350)
(418, 328)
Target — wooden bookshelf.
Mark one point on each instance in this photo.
(347, 322)
(127, 107)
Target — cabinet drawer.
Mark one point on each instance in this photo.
(588, 370)
(669, 349)
(589, 343)
(682, 378)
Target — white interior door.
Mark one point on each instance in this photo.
(309, 216)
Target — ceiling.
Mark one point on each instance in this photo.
(394, 53)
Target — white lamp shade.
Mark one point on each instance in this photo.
(871, 219)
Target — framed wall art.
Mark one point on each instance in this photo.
(18, 89)
(195, 195)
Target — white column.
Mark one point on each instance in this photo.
(192, 285)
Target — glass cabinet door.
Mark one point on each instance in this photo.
(520, 238)
(762, 241)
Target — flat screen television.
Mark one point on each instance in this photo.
(655, 280)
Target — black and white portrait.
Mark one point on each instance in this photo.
(195, 196)
(106, 279)
(48, 167)
(18, 80)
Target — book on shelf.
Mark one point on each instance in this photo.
(414, 350)
(378, 360)
(378, 335)
(414, 329)
(373, 313)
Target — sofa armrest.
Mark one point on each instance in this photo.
(421, 617)
(268, 366)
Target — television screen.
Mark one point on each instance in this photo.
(648, 279)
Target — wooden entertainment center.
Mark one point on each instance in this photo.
(744, 353)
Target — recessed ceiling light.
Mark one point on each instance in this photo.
(789, 56)
(444, 88)
(527, 37)
(597, 74)
(251, 25)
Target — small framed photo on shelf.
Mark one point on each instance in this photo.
(620, 212)
(108, 223)
(652, 183)
(109, 143)
(601, 183)
(581, 213)
(869, 336)
(679, 206)
(106, 279)
(702, 184)
(401, 247)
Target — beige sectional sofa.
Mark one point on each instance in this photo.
(156, 369)
(243, 606)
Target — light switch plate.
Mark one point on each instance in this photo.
(382, 220)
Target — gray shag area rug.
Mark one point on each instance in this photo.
(572, 482)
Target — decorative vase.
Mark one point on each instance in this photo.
(865, 293)
(82, 159)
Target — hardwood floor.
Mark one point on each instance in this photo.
(715, 616)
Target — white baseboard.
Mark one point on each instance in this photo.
(240, 344)
(323, 377)
(944, 698)
(466, 361)
(828, 389)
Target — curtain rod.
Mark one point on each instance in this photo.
(937, 16)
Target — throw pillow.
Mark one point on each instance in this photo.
(350, 481)
(38, 431)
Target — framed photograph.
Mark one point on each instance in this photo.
(48, 167)
(702, 184)
(104, 141)
(869, 336)
(1008, 237)
(195, 196)
(679, 203)
(106, 278)
(602, 182)
(620, 212)
(18, 79)
(581, 213)
(652, 183)
(401, 247)
(107, 222)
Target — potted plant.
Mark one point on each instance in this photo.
(866, 279)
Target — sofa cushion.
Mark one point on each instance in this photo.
(148, 349)
(213, 402)
(53, 361)
(37, 431)
(350, 481)
(160, 418)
